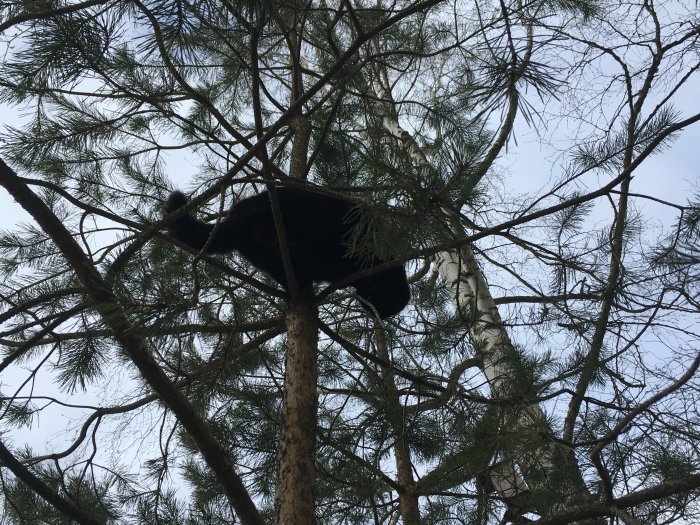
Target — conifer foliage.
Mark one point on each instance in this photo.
(545, 368)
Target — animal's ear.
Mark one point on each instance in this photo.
(176, 200)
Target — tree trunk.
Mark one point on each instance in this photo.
(408, 497)
(536, 462)
(295, 464)
(537, 457)
(295, 501)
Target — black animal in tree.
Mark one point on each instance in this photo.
(318, 228)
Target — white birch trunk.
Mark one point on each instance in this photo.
(469, 293)
(534, 456)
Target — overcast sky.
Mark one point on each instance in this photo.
(530, 166)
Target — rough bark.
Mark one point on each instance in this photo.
(295, 503)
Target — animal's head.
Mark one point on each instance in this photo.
(176, 200)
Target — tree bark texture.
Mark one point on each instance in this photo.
(295, 464)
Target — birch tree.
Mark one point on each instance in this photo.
(545, 369)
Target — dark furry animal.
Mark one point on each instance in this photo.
(318, 228)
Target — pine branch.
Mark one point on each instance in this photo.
(42, 489)
(599, 510)
(114, 317)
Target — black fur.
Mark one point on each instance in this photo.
(317, 228)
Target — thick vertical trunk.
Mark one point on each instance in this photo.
(408, 499)
(295, 463)
(302, 135)
(295, 503)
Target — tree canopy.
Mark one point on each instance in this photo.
(546, 368)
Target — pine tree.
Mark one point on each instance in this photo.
(546, 367)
